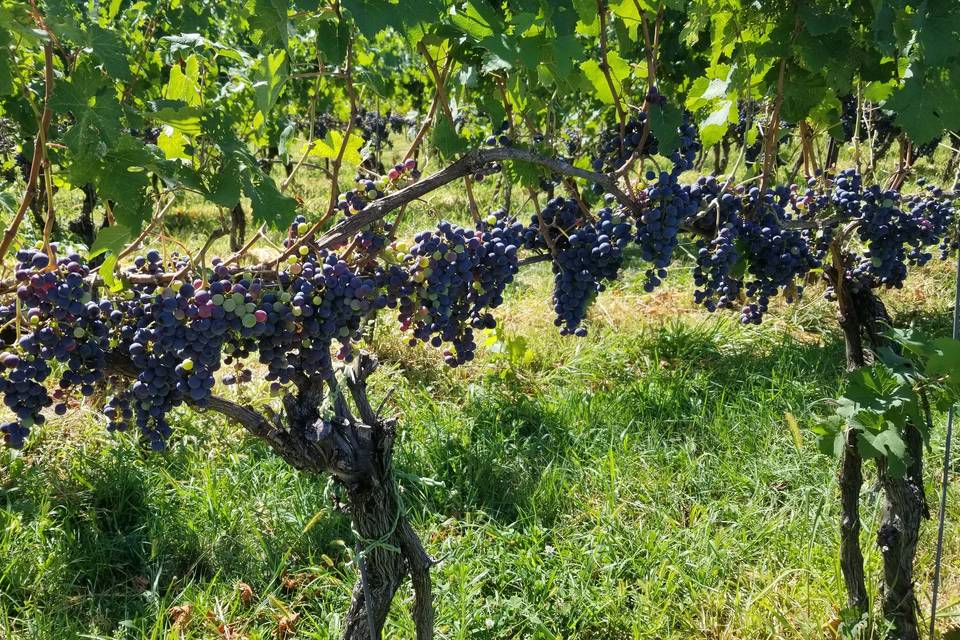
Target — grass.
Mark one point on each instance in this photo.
(643, 482)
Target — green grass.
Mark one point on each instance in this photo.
(643, 482)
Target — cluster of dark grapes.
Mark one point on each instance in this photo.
(895, 230)
(556, 221)
(665, 204)
(686, 153)
(445, 283)
(376, 127)
(776, 256)
(583, 262)
(614, 149)
(499, 136)
(323, 123)
(63, 324)
(717, 288)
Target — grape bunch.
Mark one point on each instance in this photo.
(665, 205)
(614, 149)
(447, 280)
(64, 325)
(583, 262)
(717, 286)
(355, 200)
(559, 216)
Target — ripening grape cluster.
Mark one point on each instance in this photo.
(896, 230)
(63, 324)
(614, 149)
(777, 256)
(355, 200)
(376, 127)
(444, 283)
(665, 205)
(583, 262)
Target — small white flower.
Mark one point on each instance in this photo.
(488, 623)
(549, 550)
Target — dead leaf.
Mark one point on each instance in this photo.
(285, 625)
(246, 593)
(180, 615)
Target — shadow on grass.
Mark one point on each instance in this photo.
(121, 522)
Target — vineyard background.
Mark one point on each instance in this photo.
(657, 476)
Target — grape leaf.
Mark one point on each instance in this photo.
(664, 123)
(111, 239)
(110, 50)
(269, 75)
(329, 147)
(269, 22)
(445, 138)
(266, 201)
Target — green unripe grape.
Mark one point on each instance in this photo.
(187, 364)
(302, 228)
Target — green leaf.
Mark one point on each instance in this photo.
(715, 126)
(664, 123)
(269, 75)
(93, 103)
(110, 50)
(820, 19)
(106, 272)
(926, 106)
(267, 203)
(619, 71)
(184, 83)
(178, 115)
(269, 22)
(332, 39)
(329, 147)
(225, 186)
(445, 139)
(111, 239)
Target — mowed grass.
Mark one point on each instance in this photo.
(646, 481)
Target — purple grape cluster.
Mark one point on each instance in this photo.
(583, 262)
(445, 283)
(665, 204)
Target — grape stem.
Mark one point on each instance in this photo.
(38, 151)
(445, 105)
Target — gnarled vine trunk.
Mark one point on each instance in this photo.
(358, 453)
(238, 227)
(905, 503)
(904, 509)
(850, 475)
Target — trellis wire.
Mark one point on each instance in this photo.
(946, 473)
